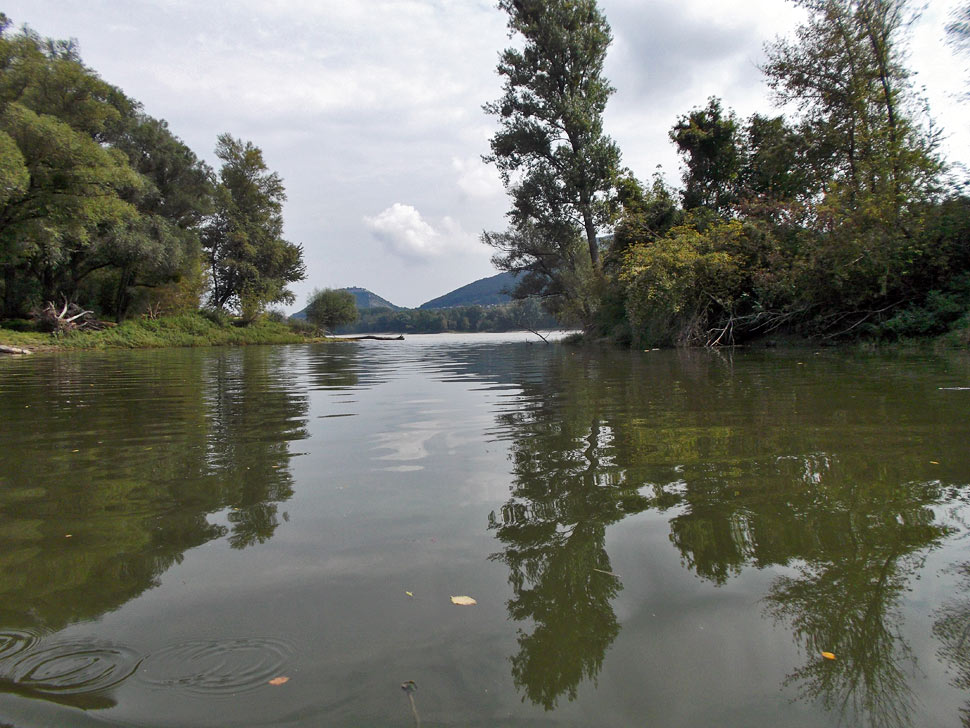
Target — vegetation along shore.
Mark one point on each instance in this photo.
(836, 220)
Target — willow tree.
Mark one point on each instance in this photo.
(555, 161)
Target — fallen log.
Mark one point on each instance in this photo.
(13, 350)
(375, 338)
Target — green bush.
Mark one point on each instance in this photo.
(18, 325)
(216, 316)
(935, 315)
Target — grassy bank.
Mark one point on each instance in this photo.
(190, 329)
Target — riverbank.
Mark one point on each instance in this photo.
(185, 330)
(195, 329)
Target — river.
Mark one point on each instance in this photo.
(271, 536)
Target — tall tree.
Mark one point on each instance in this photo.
(847, 74)
(55, 115)
(709, 141)
(249, 261)
(845, 71)
(556, 162)
(162, 250)
(103, 200)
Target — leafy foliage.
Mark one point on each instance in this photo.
(843, 227)
(101, 203)
(249, 261)
(329, 309)
(556, 162)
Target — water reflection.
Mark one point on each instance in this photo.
(553, 527)
(97, 500)
(794, 477)
(952, 629)
(72, 673)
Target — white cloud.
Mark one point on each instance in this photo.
(402, 230)
(477, 179)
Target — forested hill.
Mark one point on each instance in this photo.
(364, 299)
(484, 292)
(369, 299)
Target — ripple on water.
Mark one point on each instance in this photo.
(14, 642)
(215, 667)
(68, 667)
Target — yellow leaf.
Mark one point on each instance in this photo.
(463, 601)
(828, 655)
(409, 594)
(934, 462)
(279, 680)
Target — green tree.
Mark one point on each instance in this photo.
(161, 252)
(845, 70)
(331, 308)
(250, 263)
(556, 162)
(709, 141)
(108, 201)
(68, 183)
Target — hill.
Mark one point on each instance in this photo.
(369, 299)
(483, 292)
(364, 299)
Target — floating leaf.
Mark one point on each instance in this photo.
(934, 462)
(463, 601)
(279, 680)
(828, 655)
(409, 594)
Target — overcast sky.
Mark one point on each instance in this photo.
(370, 110)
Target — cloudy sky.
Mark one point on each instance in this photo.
(370, 110)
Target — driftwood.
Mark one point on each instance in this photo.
(69, 317)
(13, 350)
(375, 338)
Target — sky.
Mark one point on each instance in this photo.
(371, 110)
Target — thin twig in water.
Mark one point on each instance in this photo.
(409, 687)
(608, 573)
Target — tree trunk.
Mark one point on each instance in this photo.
(594, 246)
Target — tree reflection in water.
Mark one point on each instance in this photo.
(134, 489)
(952, 629)
(565, 493)
(808, 485)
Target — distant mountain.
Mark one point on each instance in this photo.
(364, 299)
(369, 299)
(483, 292)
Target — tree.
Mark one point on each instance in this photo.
(66, 182)
(97, 199)
(329, 309)
(958, 29)
(249, 261)
(846, 73)
(160, 254)
(556, 162)
(708, 139)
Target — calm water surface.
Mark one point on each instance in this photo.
(663, 538)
